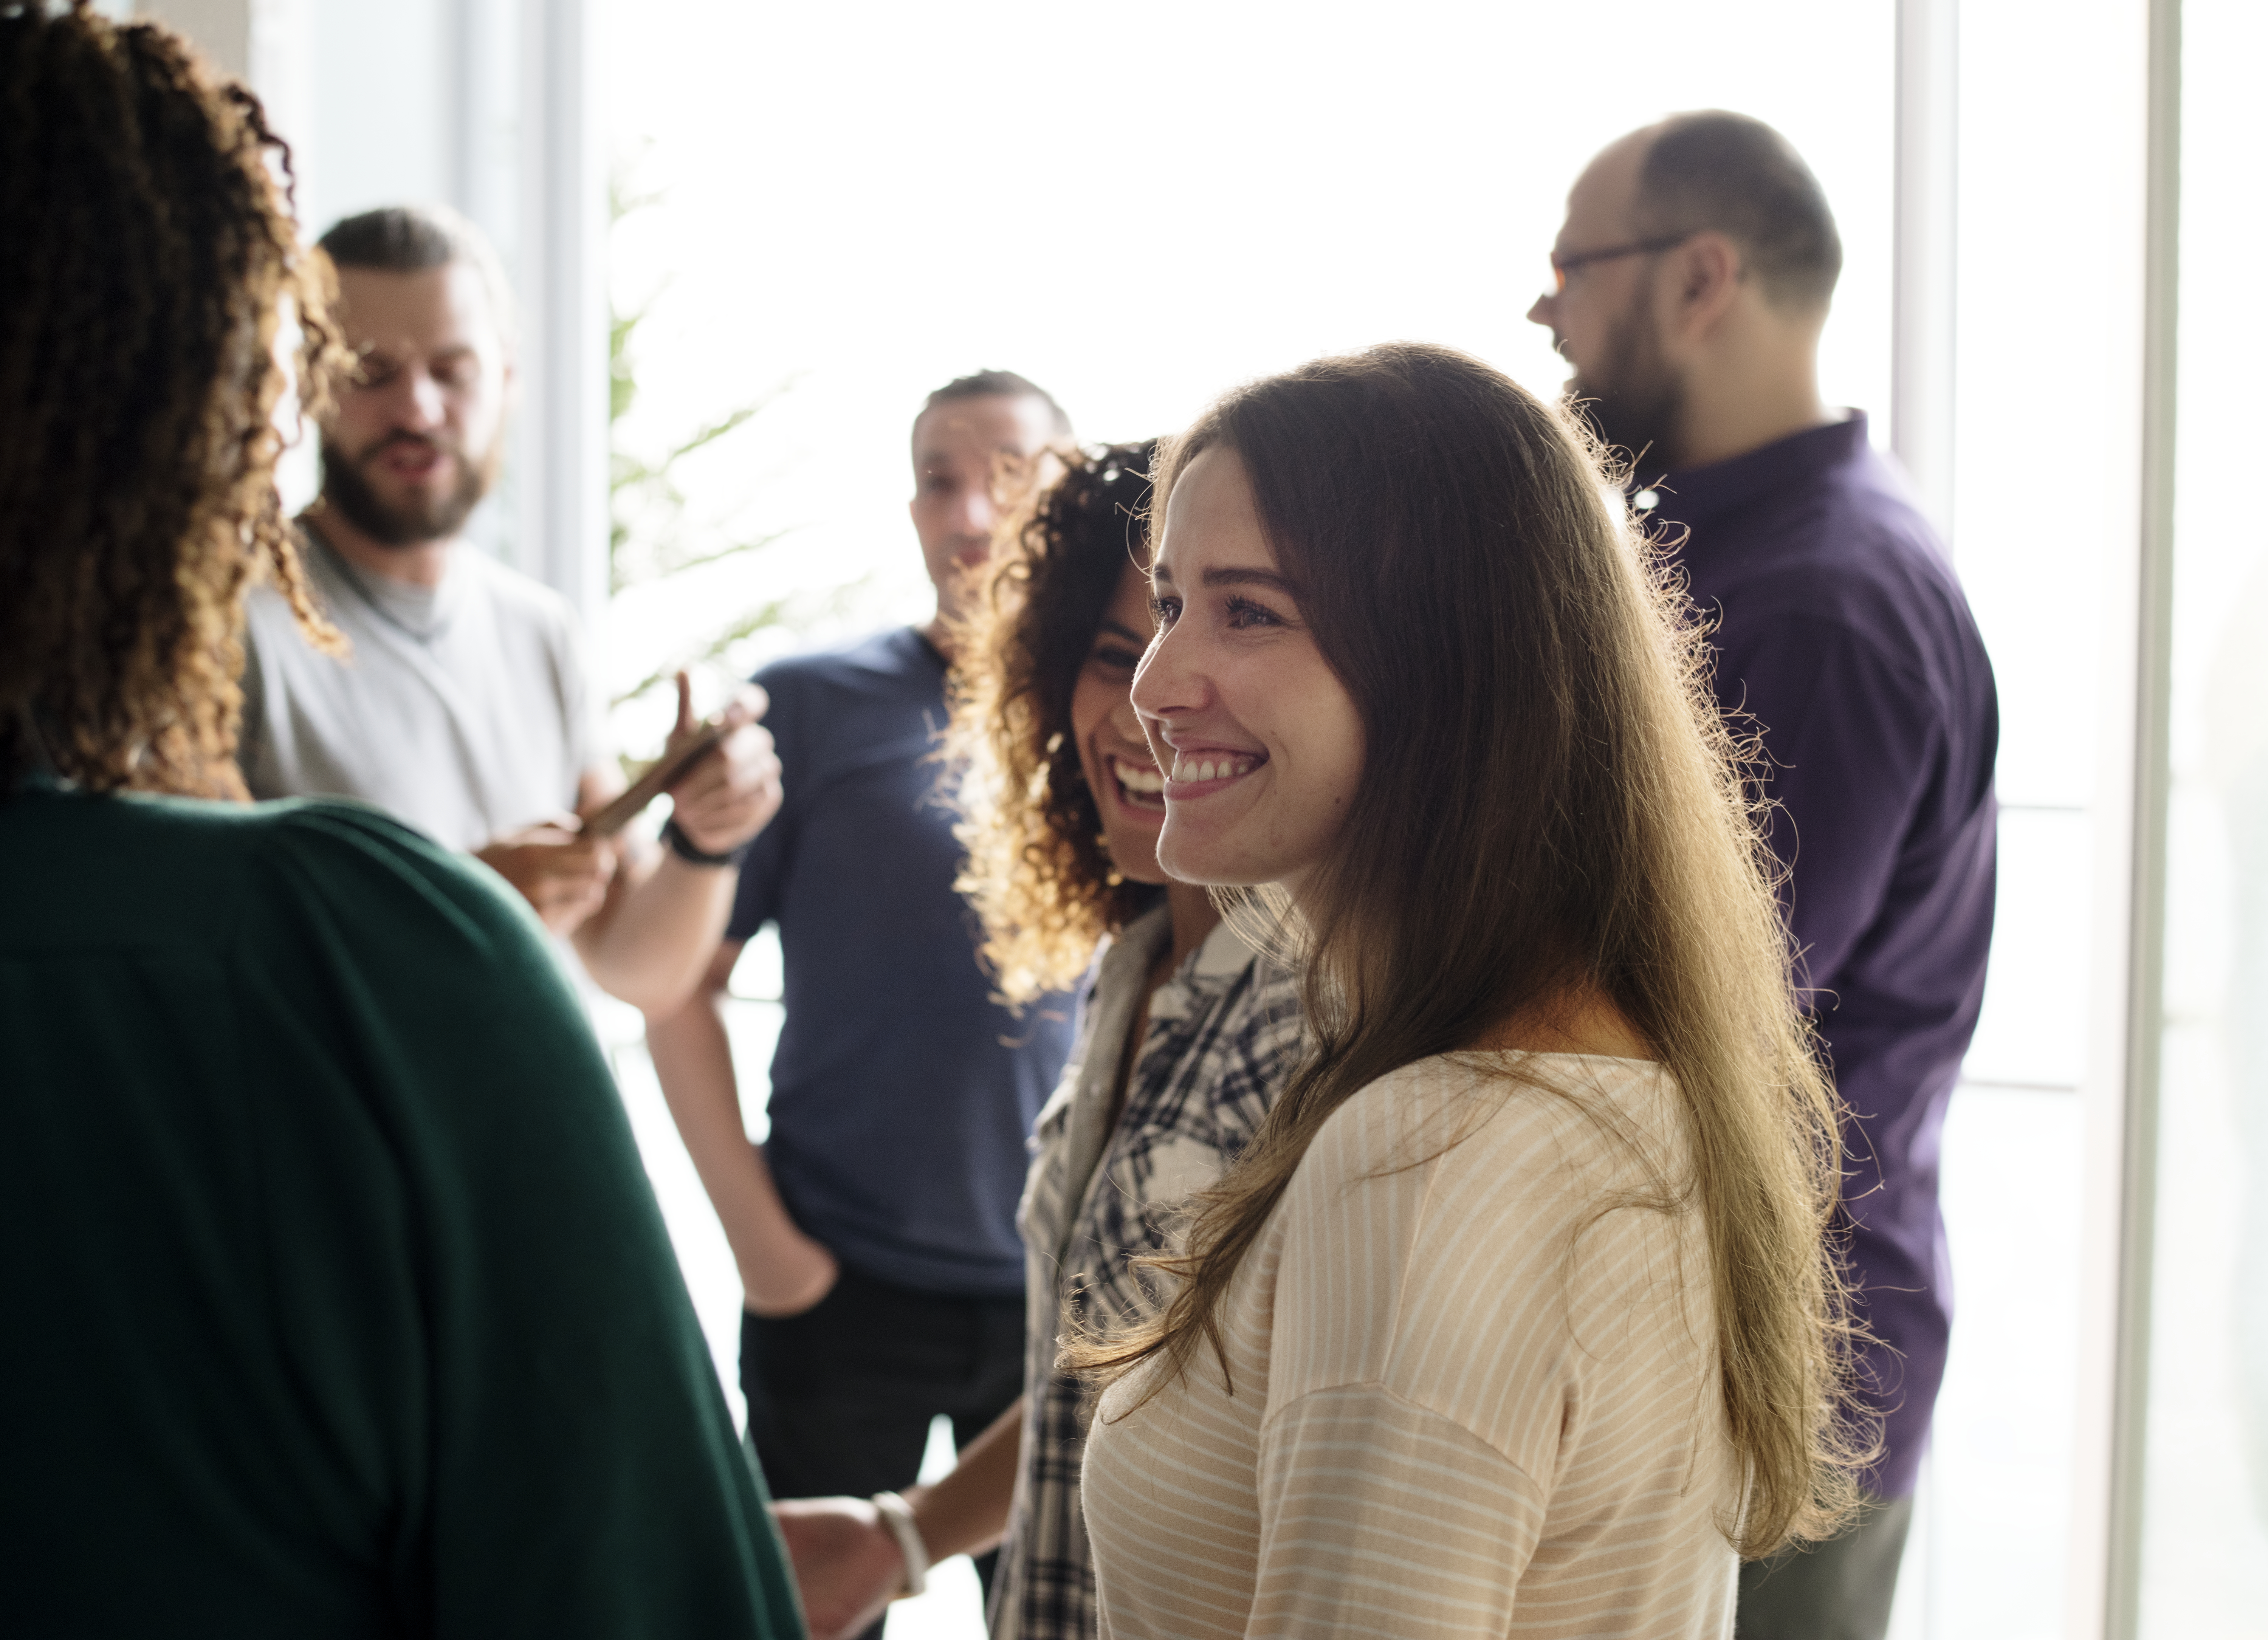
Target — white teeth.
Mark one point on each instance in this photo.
(1189, 769)
(1135, 777)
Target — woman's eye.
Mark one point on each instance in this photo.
(1243, 614)
(1165, 611)
(1116, 659)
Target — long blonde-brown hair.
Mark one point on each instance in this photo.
(1549, 804)
(149, 259)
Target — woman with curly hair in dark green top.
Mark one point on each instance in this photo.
(338, 1302)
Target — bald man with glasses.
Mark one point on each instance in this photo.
(1691, 282)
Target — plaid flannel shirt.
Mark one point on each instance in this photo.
(1223, 1032)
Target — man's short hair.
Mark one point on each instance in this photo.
(1004, 383)
(411, 239)
(1742, 178)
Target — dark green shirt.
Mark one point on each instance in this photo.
(334, 1300)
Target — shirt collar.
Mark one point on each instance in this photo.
(421, 614)
(1222, 953)
(1698, 496)
(1218, 960)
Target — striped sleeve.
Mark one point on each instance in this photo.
(1378, 1517)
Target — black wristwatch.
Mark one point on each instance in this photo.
(686, 850)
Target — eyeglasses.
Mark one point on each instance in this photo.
(1562, 266)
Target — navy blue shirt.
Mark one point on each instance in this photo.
(902, 1092)
(1841, 631)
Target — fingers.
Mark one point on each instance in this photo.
(564, 901)
(562, 862)
(846, 1563)
(566, 910)
(744, 758)
(733, 795)
(743, 763)
(748, 703)
(562, 874)
(573, 857)
(559, 828)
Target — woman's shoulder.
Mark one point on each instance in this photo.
(387, 877)
(136, 869)
(1505, 1123)
(1479, 1197)
(322, 826)
(350, 874)
(345, 915)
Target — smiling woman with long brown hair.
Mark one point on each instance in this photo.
(1517, 1314)
(337, 1300)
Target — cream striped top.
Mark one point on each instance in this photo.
(1465, 1400)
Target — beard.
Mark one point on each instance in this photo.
(347, 486)
(1634, 400)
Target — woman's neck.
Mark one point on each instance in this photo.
(1193, 915)
(1579, 1020)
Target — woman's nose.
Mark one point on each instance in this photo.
(1165, 682)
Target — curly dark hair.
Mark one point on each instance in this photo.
(150, 263)
(1038, 871)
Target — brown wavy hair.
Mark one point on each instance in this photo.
(149, 261)
(1550, 805)
(1038, 871)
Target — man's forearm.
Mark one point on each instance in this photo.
(649, 946)
(782, 1270)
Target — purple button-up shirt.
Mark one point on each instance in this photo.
(1840, 630)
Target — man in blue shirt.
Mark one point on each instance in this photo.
(875, 1231)
(1690, 282)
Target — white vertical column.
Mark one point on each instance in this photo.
(2137, 236)
(484, 126)
(1922, 365)
(562, 449)
(1921, 323)
(2151, 766)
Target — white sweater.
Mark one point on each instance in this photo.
(1470, 1396)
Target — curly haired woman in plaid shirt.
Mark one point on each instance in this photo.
(1184, 1035)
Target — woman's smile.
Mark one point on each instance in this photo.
(1202, 772)
(1140, 785)
(1128, 787)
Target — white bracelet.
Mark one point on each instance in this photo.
(898, 1515)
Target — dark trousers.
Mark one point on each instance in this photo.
(841, 1397)
(1838, 1589)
